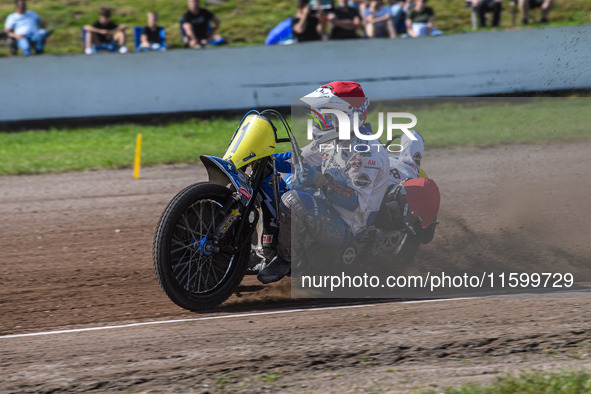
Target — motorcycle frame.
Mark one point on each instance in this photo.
(249, 187)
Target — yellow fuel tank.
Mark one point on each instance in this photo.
(254, 140)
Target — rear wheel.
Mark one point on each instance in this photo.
(189, 270)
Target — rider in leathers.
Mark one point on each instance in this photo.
(352, 174)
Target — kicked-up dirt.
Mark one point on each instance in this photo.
(75, 252)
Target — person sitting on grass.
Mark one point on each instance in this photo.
(481, 7)
(378, 20)
(104, 34)
(345, 21)
(199, 26)
(152, 35)
(399, 10)
(419, 21)
(26, 28)
(526, 5)
(307, 24)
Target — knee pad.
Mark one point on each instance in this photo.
(296, 201)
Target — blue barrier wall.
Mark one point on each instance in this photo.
(252, 77)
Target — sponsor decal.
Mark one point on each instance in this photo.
(231, 217)
(267, 238)
(357, 163)
(244, 193)
(252, 154)
(361, 180)
(373, 164)
(342, 190)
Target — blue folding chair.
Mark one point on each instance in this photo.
(137, 34)
(282, 32)
(222, 40)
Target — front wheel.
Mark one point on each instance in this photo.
(189, 271)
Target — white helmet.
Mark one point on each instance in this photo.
(345, 96)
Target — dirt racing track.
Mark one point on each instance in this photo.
(75, 257)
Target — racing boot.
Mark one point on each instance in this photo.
(255, 264)
(275, 270)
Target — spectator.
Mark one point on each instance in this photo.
(199, 26)
(105, 34)
(151, 38)
(307, 23)
(419, 21)
(355, 4)
(26, 28)
(378, 20)
(481, 7)
(362, 6)
(345, 21)
(399, 10)
(526, 5)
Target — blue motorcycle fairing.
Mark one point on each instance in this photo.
(223, 172)
(267, 196)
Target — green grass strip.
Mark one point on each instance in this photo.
(470, 124)
(566, 382)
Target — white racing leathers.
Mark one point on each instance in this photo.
(359, 164)
(408, 163)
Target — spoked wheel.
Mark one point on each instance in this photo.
(192, 274)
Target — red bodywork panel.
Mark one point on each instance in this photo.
(422, 196)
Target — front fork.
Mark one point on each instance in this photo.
(233, 209)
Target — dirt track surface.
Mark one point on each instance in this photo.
(75, 252)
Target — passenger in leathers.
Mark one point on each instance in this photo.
(342, 184)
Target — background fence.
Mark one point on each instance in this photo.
(54, 87)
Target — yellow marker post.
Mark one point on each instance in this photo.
(138, 156)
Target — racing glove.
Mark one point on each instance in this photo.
(309, 176)
(339, 193)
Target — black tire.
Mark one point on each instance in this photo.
(186, 221)
(428, 234)
(409, 249)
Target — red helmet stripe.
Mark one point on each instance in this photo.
(321, 117)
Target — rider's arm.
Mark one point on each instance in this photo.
(370, 181)
(340, 194)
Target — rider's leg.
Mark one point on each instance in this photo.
(312, 218)
(281, 264)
